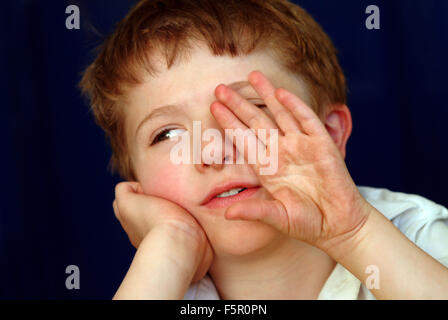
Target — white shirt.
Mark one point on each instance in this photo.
(422, 221)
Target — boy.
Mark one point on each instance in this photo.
(218, 229)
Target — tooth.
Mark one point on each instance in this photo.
(229, 193)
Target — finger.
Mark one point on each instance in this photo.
(247, 112)
(133, 241)
(271, 212)
(126, 187)
(116, 212)
(122, 192)
(129, 203)
(240, 132)
(228, 120)
(266, 91)
(308, 119)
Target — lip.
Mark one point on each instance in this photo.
(211, 201)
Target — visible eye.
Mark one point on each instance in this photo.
(166, 134)
(261, 106)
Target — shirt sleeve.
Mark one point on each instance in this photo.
(426, 225)
(204, 289)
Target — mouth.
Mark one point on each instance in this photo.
(230, 193)
(225, 195)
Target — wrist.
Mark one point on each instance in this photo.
(403, 266)
(162, 268)
(353, 241)
(181, 245)
(190, 236)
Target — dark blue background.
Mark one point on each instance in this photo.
(56, 192)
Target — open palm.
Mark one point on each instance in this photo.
(315, 198)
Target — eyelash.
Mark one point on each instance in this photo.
(156, 139)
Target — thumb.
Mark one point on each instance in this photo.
(271, 212)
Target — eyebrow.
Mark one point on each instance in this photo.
(169, 109)
(158, 112)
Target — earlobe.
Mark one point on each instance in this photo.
(338, 123)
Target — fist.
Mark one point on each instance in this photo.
(139, 213)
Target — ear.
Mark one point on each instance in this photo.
(338, 122)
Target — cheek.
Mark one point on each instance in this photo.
(166, 182)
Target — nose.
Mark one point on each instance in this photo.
(202, 167)
(222, 147)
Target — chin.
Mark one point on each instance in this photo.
(240, 238)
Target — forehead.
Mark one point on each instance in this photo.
(193, 81)
(202, 72)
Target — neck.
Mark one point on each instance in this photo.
(287, 269)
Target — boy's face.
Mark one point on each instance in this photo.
(189, 86)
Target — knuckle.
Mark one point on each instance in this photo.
(253, 121)
(121, 211)
(119, 188)
(114, 206)
(234, 123)
(238, 102)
